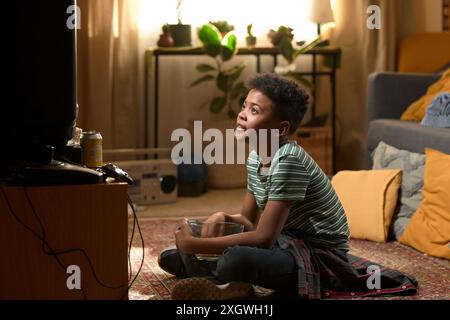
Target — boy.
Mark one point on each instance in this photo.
(295, 225)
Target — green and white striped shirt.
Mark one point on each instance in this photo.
(316, 213)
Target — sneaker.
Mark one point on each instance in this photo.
(204, 289)
(170, 261)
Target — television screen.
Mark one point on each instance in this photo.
(44, 94)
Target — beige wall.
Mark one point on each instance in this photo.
(433, 15)
(416, 16)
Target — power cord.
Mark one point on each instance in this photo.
(135, 223)
(47, 249)
(44, 242)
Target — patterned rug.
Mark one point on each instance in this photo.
(153, 283)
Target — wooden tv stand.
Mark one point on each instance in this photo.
(91, 217)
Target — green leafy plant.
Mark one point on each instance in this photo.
(249, 30)
(166, 28)
(283, 39)
(291, 54)
(282, 32)
(250, 40)
(222, 25)
(221, 49)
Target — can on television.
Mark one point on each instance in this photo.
(92, 145)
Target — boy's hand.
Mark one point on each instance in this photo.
(216, 217)
(212, 226)
(183, 235)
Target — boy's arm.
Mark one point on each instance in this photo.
(249, 215)
(265, 234)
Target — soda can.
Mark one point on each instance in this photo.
(91, 143)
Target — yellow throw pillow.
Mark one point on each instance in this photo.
(369, 199)
(416, 111)
(429, 228)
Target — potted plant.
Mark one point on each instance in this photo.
(165, 39)
(221, 49)
(283, 39)
(223, 26)
(282, 32)
(181, 33)
(250, 40)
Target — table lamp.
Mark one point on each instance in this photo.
(320, 13)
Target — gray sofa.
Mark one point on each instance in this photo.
(389, 94)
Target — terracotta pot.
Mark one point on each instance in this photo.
(165, 40)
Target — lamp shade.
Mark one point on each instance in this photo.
(321, 11)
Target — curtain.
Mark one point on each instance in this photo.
(107, 66)
(365, 51)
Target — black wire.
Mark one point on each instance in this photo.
(52, 252)
(45, 244)
(131, 241)
(71, 250)
(35, 234)
(136, 221)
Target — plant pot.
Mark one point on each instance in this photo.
(165, 40)
(181, 34)
(250, 41)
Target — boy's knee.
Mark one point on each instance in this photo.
(234, 264)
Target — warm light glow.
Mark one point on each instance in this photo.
(333, 5)
(116, 25)
(153, 14)
(264, 14)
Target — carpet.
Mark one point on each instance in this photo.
(228, 200)
(153, 283)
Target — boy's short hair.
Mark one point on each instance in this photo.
(289, 100)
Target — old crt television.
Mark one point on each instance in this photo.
(42, 107)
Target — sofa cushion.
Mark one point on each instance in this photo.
(438, 113)
(429, 228)
(409, 136)
(369, 199)
(412, 164)
(416, 111)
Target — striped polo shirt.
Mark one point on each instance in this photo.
(316, 214)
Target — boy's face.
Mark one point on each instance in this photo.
(256, 113)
